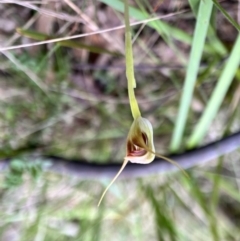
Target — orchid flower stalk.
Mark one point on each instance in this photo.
(140, 146)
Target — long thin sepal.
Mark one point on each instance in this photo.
(113, 180)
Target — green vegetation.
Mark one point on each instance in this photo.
(70, 99)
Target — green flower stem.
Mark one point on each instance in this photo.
(129, 66)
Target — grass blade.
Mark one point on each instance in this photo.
(194, 4)
(200, 33)
(67, 43)
(160, 26)
(217, 96)
(214, 42)
(164, 224)
(228, 17)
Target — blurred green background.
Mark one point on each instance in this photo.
(69, 99)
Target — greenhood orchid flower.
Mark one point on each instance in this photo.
(139, 147)
(139, 141)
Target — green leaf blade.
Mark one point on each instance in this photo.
(200, 33)
(217, 96)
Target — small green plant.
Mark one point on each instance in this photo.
(18, 167)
